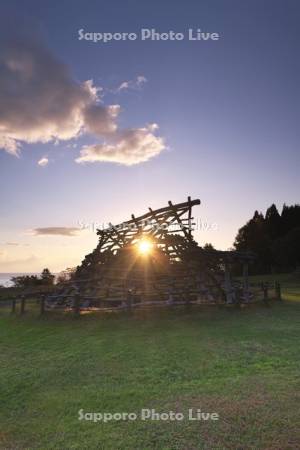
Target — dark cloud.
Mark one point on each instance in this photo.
(56, 231)
(100, 120)
(41, 102)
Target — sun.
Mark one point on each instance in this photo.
(145, 246)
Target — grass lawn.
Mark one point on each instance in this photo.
(242, 364)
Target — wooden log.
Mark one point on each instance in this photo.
(177, 206)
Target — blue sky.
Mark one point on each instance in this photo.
(227, 113)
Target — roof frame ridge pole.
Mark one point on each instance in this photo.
(166, 209)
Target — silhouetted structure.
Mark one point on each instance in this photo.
(174, 270)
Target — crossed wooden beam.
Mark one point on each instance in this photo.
(155, 224)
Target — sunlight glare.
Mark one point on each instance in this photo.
(145, 246)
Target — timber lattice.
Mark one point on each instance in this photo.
(177, 271)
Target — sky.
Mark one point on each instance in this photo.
(91, 132)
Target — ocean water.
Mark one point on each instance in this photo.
(6, 277)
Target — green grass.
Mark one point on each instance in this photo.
(242, 364)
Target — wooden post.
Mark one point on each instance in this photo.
(23, 301)
(13, 306)
(239, 293)
(278, 291)
(129, 300)
(190, 217)
(76, 305)
(265, 293)
(171, 290)
(228, 287)
(42, 304)
(187, 294)
(246, 281)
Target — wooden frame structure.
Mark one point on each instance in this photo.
(188, 273)
(156, 224)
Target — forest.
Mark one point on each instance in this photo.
(274, 238)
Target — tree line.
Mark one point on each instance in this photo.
(45, 279)
(24, 281)
(274, 238)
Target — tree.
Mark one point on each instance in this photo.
(274, 238)
(29, 281)
(273, 222)
(286, 250)
(47, 279)
(290, 217)
(254, 237)
(208, 247)
(66, 275)
(25, 281)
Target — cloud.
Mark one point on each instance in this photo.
(135, 84)
(100, 120)
(41, 102)
(56, 231)
(43, 162)
(131, 146)
(9, 144)
(13, 244)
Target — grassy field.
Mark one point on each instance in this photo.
(242, 364)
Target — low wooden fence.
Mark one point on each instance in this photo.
(262, 292)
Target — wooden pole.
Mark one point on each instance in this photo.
(265, 293)
(190, 216)
(42, 304)
(23, 301)
(76, 305)
(228, 287)
(129, 300)
(171, 292)
(246, 281)
(278, 291)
